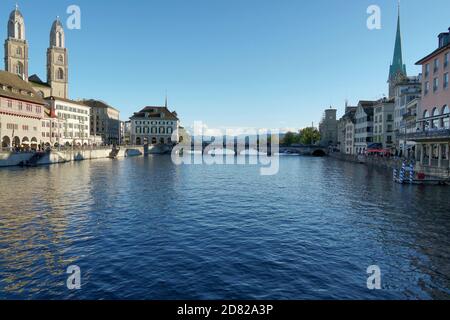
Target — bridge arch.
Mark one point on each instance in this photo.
(319, 153)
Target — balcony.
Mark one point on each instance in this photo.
(427, 135)
(409, 116)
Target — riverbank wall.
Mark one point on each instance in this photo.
(11, 159)
(391, 163)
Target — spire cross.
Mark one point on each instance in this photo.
(166, 98)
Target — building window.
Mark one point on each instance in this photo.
(426, 89)
(446, 120)
(19, 68)
(446, 58)
(446, 80)
(436, 65)
(435, 84)
(435, 122)
(19, 51)
(427, 70)
(426, 124)
(60, 74)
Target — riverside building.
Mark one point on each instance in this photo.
(21, 114)
(154, 125)
(364, 126)
(433, 136)
(104, 121)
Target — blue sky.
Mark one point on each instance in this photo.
(232, 63)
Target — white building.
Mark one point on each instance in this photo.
(74, 118)
(413, 110)
(383, 123)
(346, 134)
(363, 126)
(154, 125)
(406, 90)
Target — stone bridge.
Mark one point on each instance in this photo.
(243, 148)
(315, 151)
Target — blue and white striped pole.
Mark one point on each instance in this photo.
(411, 173)
(402, 173)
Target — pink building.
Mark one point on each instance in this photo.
(436, 91)
(433, 135)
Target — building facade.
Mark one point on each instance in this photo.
(383, 123)
(364, 126)
(407, 89)
(104, 121)
(433, 136)
(127, 132)
(154, 125)
(413, 109)
(74, 118)
(328, 128)
(346, 131)
(22, 113)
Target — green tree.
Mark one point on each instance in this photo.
(289, 138)
(309, 136)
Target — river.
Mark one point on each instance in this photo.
(144, 228)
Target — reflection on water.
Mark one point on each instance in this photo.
(143, 228)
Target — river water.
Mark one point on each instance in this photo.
(143, 228)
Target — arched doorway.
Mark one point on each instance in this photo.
(161, 141)
(138, 141)
(16, 142)
(154, 141)
(34, 143)
(6, 142)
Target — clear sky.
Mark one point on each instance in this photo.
(232, 63)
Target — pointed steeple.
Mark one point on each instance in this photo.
(397, 68)
(397, 65)
(166, 104)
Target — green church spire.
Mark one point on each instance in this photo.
(397, 66)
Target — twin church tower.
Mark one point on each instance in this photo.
(16, 57)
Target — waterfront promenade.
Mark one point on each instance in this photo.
(63, 155)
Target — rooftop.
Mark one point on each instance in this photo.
(13, 86)
(156, 112)
(97, 104)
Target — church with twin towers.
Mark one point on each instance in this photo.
(16, 57)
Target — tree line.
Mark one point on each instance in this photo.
(307, 136)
